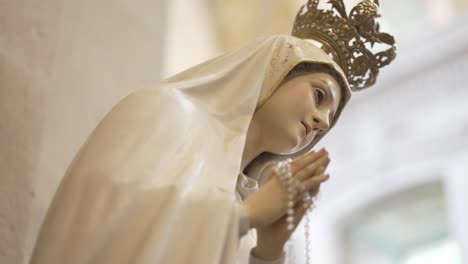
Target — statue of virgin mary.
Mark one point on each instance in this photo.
(159, 179)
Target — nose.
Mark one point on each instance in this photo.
(321, 122)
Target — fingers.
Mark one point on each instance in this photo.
(307, 159)
(314, 182)
(313, 168)
(314, 191)
(307, 165)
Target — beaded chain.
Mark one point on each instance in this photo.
(295, 187)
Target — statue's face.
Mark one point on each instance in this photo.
(300, 109)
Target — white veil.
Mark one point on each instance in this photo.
(155, 181)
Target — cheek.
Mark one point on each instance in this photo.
(292, 103)
(304, 99)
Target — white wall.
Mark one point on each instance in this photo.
(63, 64)
(190, 36)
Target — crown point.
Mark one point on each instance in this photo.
(338, 31)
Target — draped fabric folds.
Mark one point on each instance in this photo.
(155, 181)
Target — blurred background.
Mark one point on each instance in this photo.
(399, 187)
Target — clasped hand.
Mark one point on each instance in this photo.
(267, 207)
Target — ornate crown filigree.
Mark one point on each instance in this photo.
(344, 37)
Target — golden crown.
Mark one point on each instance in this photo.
(344, 37)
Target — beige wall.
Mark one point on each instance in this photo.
(63, 64)
(178, 56)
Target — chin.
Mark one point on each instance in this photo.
(290, 147)
(290, 143)
(303, 143)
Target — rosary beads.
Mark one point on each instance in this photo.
(294, 187)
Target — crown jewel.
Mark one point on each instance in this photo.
(344, 37)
